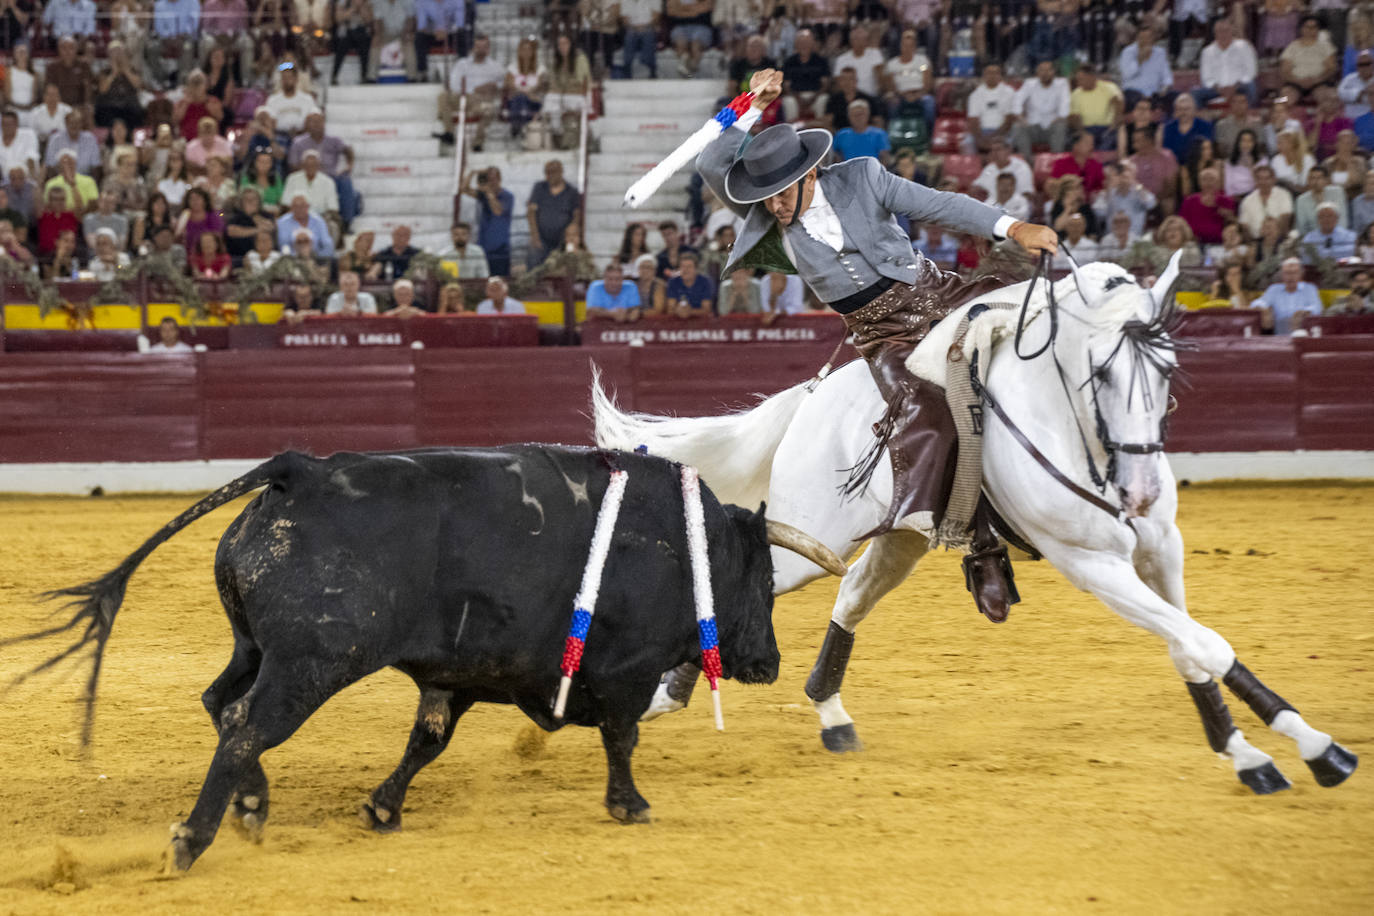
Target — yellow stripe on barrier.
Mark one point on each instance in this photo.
(552, 312)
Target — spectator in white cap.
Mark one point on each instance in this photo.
(1330, 240)
(312, 183)
(107, 258)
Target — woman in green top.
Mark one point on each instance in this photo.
(262, 175)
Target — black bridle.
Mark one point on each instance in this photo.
(1146, 342)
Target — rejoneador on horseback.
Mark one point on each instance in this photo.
(836, 227)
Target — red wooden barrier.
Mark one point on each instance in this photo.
(1236, 395)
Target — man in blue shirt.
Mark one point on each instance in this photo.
(1364, 124)
(1145, 71)
(299, 217)
(861, 138)
(494, 206)
(176, 23)
(1289, 298)
(611, 298)
(437, 22)
(691, 293)
(70, 17)
(1330, 239)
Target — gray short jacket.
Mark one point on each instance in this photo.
(865, 196)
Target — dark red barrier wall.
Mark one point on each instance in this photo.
(1237, 395)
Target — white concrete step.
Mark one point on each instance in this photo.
(376, 128)
(617, 220)
(396, 150)
(629, 165)
(383, 94)
(653, 89)
(603, 181)
(425, 113)
(386, 185)
(426, 203)
(382, 225)
(658, 123)
(404, 169)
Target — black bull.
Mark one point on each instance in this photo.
(459, 568)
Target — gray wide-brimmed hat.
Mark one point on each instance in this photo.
(773, 161)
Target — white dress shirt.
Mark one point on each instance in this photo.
(1042, 105)
(1232, 66)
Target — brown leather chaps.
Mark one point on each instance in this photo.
(917, 430)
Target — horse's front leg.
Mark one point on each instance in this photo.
(1159, 561)
(1201, 655)
(885, 565)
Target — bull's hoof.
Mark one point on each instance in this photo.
(248, 819)
(841, 739)
(1264, 780)
(379, 818)
(1333, 766)
(179, 856)
(629, 816)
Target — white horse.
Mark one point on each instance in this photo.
(1093, 403)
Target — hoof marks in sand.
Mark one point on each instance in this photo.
(1333, 765)
(1264, 780)
(841, 739)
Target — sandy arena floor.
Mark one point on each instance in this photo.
(1053, 764)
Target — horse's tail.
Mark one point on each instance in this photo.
(733, 452)
(97, 602)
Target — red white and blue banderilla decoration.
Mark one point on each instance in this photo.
(701, 587)
(645, 187)
(584, 605)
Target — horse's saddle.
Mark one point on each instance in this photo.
(931, 358)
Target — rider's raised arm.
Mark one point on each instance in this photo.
(956, 212)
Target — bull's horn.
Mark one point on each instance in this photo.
(803, 544)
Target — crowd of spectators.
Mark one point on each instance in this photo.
(1237, 132)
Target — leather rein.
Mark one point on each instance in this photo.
(1135, 332)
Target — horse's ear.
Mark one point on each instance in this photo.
(1084, 287)
(1160, 291)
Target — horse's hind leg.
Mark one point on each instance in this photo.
(1159, 561)
(885, 565)
(435, 720)
(249, 805)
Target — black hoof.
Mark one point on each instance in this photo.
(628, 816)
(841, 739)
(1264, 780)
(1333, 766)
(378, 818)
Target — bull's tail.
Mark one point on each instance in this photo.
(94, 604)
(733, 451)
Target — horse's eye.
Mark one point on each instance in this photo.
(1102, 375)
